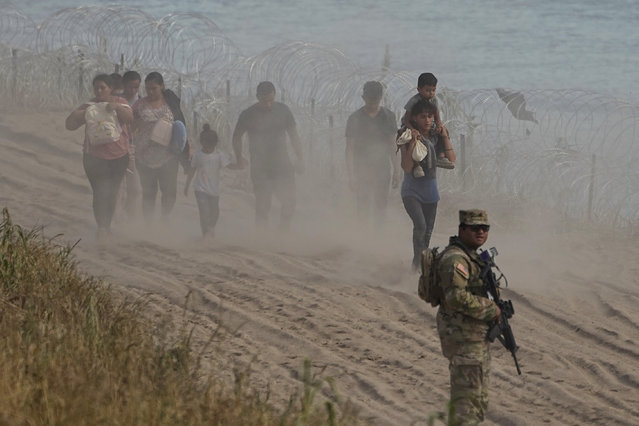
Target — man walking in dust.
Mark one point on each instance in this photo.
(370, 153)
(268, 123)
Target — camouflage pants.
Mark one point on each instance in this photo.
(469, 366)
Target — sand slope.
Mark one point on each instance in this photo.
(341, 295)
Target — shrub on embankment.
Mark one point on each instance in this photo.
(72, 353)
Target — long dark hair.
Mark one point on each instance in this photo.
(105, 78)
(155, 77)
(420, 107)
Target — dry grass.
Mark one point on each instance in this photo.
(71, 353)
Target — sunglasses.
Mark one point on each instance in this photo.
(477, 228)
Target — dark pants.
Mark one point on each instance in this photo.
(131, 188)
(209, 207)
(371, 195)
(283, 188)
(164, 177)
(423, 217)
(105, 177)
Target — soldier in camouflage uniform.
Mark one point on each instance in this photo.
(464, 316)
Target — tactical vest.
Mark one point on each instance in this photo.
(475, 284)
(429, 288)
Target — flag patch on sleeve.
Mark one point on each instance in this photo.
(459, 267)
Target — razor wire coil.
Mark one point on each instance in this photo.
(578, 143)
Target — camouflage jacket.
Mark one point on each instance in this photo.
(465, 311)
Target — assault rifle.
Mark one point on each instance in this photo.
(500, 330)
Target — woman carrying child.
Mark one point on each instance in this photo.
(206, 166)
(105, 152)
(419, 191)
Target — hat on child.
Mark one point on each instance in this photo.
(473, 217)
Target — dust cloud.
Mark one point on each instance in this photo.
(342, 294)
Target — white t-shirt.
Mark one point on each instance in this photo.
(207, 171)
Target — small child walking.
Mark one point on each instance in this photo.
(206, 166)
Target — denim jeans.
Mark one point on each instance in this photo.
(423, 217)
(209, 207)
(164, 177)
(105, 177)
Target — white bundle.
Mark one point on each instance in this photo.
(420, 152)
(405, 137)
(102, 124)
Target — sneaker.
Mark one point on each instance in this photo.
(445, 163)
(418, 171)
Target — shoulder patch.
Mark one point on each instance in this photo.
(459, 267)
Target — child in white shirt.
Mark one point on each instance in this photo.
(206, 166)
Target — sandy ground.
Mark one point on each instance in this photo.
(341, 294)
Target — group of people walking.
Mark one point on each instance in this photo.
(372, 142)
(145, 150)
(144, 139)
(112, 121)
(464, 312)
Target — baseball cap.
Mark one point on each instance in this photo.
(473, 217)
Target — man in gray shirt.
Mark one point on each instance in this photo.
(268, 123)
(370, 154)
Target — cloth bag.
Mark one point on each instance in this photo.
(162, 132)
(102, 126)
(420, 152)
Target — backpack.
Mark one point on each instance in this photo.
(102, 126)
(428, 287)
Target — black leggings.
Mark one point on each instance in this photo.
(164, 177)
(105, 177)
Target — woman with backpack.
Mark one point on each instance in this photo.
(106, 147)
(157, 158)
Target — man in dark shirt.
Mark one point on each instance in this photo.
(370, 152)
(268, 123)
